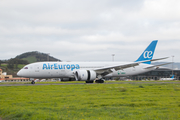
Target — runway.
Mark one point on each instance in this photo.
(37, 84)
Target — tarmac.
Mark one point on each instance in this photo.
(89, 83)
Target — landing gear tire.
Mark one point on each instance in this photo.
(89, 81)
(99, 81)
(33, 82)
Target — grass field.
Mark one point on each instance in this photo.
(91, 102)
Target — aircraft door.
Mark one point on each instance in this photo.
(36, 68)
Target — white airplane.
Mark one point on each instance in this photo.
(90, 71)
(172, 78)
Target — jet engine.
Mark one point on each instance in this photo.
(85, 75)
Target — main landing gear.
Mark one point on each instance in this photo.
(99, 81)
(96, 81)
(89, 81)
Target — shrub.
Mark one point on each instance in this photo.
(141, 86)
(177, 89)
(122, 89)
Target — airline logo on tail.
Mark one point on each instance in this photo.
(148, 53)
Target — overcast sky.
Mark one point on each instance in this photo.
(90, 30)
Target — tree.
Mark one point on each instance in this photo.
(16, 61)
(10, 64)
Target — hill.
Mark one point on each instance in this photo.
(13, 65)
(36, 56)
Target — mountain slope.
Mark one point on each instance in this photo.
(36, 56)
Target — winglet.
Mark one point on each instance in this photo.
(148, 53)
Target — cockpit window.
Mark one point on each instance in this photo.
(25, 67)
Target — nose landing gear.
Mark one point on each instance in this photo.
(32, 82)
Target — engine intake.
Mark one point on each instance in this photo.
(85, 75)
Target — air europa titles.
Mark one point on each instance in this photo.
(59, 66)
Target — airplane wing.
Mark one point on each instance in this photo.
(106, 70)
(157, 65)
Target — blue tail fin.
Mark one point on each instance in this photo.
(172, 76)
(148, 53)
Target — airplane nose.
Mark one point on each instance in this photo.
(19, 73)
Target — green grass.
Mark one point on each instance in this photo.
(91, 101)
(19, 65)
(3, 65)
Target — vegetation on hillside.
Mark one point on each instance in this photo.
(14, 64)
(36, 56)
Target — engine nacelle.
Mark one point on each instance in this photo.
(85, 75)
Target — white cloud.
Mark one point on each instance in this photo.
(89, 30)
(164, 10)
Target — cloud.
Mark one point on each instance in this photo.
(89, 30)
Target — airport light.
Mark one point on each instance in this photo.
(113, 57)
(172, 63)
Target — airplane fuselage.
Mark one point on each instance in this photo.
(67, 69)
